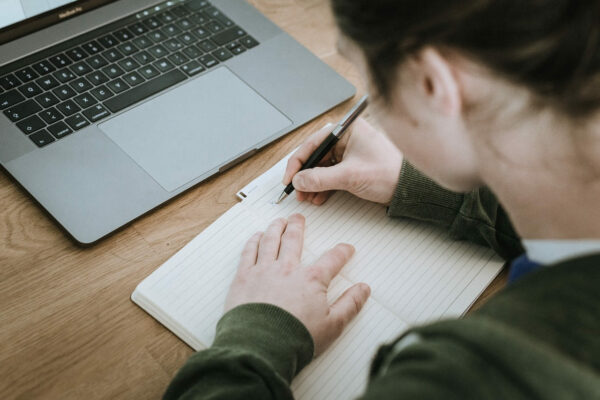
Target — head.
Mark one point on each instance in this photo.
(451, 80)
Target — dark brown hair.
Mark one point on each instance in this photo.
(550, 46)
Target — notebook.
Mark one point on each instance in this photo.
(416, 273)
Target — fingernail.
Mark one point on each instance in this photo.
(298, 182)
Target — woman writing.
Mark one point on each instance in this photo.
(498, 103)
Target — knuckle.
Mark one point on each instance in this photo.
(313, 273)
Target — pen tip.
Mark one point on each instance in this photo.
(282, 196)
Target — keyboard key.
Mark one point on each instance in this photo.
(208, 60)
(158, 51)
(178, 58)
(128, 64)
(97, 61)
(76, 122)
(152, 23)
(60, 61)
(163, 65)
(185, 24)
(26, 74)
(143, 58)
(85, 100)
(171, 30)
(148, 72)
(60, 130)
(179, 12)
(228, 35)
(96, 113)
(41, 138)
(192, 52)
(138, 28)
(248, 42)
(196, 5)
(47, 82)
(156, 36)
(212, 12)
(123, 35)
(31, 124)
(81, 85)
(142, 42)
(127, 48)
(93, 47)
(200, 33)
(118, 86)
(47, 100)
(81, 68)
(43, 67)
(192, 68)
(9, 99)
(166, 17)
(22, 110)
(68, 108)
(9, 82)
(186, 39)
(51, 115)
(108, 41)
(64, 92)
(198, 18)
(222, 54)
(97, 78)
(113, 71)
(237, 50)
(112, 55)
(64, 75)
(145, 90)
(133, 78)
(214, 27)
(101, 93)
(76, 54)
(173, 44)
(207, 46)
(30, 89)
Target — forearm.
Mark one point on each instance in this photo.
(476, 216)
(257, 351)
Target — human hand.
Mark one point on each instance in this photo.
(364, 162)
(270, 272)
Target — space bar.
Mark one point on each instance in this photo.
(144, 90)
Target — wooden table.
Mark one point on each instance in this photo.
(68, 329)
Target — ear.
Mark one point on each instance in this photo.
(438, 82)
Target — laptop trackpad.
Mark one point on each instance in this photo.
(195, 128)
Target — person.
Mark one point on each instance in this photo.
(495, 106)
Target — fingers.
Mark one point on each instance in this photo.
(268, 247)
(292, 240)
(250, 251)
(303, 153)
(332, 262)
(349, 304)
(321, 179)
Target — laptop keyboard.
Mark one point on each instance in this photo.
(65, 88)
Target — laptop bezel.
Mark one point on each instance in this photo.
(51, 17)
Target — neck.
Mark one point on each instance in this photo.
(550, 184)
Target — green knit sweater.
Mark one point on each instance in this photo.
(537, 339)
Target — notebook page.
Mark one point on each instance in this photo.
(413, 268)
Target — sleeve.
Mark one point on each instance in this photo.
(257, 351)
(476, 216)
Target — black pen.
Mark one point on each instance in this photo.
(328, 143)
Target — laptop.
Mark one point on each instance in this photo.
(110, 108)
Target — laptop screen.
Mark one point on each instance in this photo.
(20, 17)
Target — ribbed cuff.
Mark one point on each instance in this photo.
(269, 332)
(418, 197)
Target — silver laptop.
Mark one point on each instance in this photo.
(110, 108)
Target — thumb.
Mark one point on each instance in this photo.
(321, 179)
(349, 304)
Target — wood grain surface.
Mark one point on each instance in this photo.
(68, 329)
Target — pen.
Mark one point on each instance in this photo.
(328, 143)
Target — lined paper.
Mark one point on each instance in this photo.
(415, 272)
